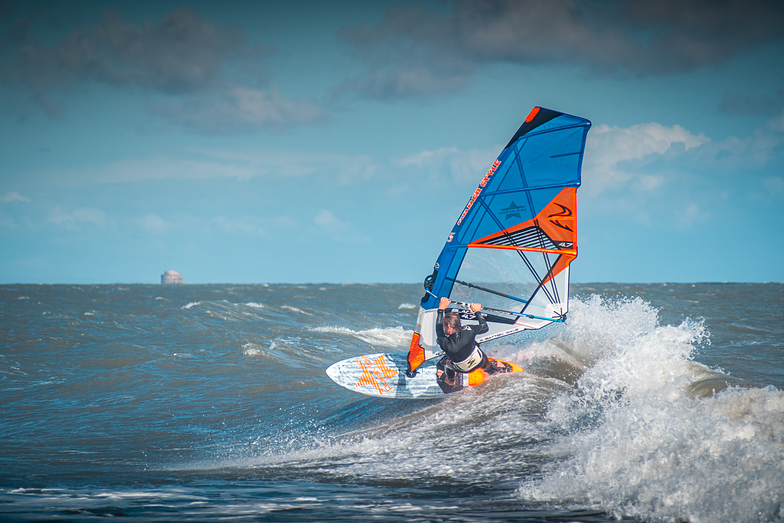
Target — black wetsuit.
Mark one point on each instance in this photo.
(459, 345)
(457, 348)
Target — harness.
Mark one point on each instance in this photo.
(471, 362)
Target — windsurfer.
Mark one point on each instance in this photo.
(461, 352)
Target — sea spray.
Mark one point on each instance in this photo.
(633, 442)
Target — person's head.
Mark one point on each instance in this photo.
(451, 323)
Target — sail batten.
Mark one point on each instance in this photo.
(516, 237)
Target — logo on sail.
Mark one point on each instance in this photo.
(565, 213)
(513, 211)
(478, 190)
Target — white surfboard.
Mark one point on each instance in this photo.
(384, 375)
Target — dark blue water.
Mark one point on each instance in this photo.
(210, 402)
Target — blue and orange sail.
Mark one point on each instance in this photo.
(511, 247)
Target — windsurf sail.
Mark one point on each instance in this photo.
(511, 246)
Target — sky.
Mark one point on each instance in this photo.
(314, 141)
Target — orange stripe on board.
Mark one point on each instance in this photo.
(382, 366)
(367, 378)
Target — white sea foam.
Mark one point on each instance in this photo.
(294, 309)
(251, 349)
(256, 350)
(256, 305)
(389, 337)
(191, 304)
(639, 445)
(407, 306)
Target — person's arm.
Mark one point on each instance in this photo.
(482, 327)
(440, 325)
(442, 305)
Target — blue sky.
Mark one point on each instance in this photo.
(252, 142)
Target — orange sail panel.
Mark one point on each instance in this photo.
(554, 229)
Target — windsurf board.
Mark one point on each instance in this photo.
(384, 375)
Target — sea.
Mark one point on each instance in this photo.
(185, 403)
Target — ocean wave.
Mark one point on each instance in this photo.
(616, 426)
(640, 442)
(387, 337)
(256, 305)
(294, 309)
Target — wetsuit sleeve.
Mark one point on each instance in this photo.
(446, 343)
(441, 338)
(440, 325)
(482, 327)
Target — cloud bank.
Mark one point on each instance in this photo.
(182, 58)
(416, 51)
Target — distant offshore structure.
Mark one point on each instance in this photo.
(171, 278)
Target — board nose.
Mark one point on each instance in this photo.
(332, 371)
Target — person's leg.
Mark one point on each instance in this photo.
(446, 376)
(487, 365)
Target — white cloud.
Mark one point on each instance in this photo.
(159, 168)
(331, 225)
(690, 214)
(427, 159)
(13, 197)
(209, 164)
(241, 227)
(154, 224)
(774, 185)
(613, 154)
(649, 183)
(249, 226)
(240, 109)
(77, 217)
(654, 174)
(777, 124)
(6, 222)
(461, 166)
(770, 190)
